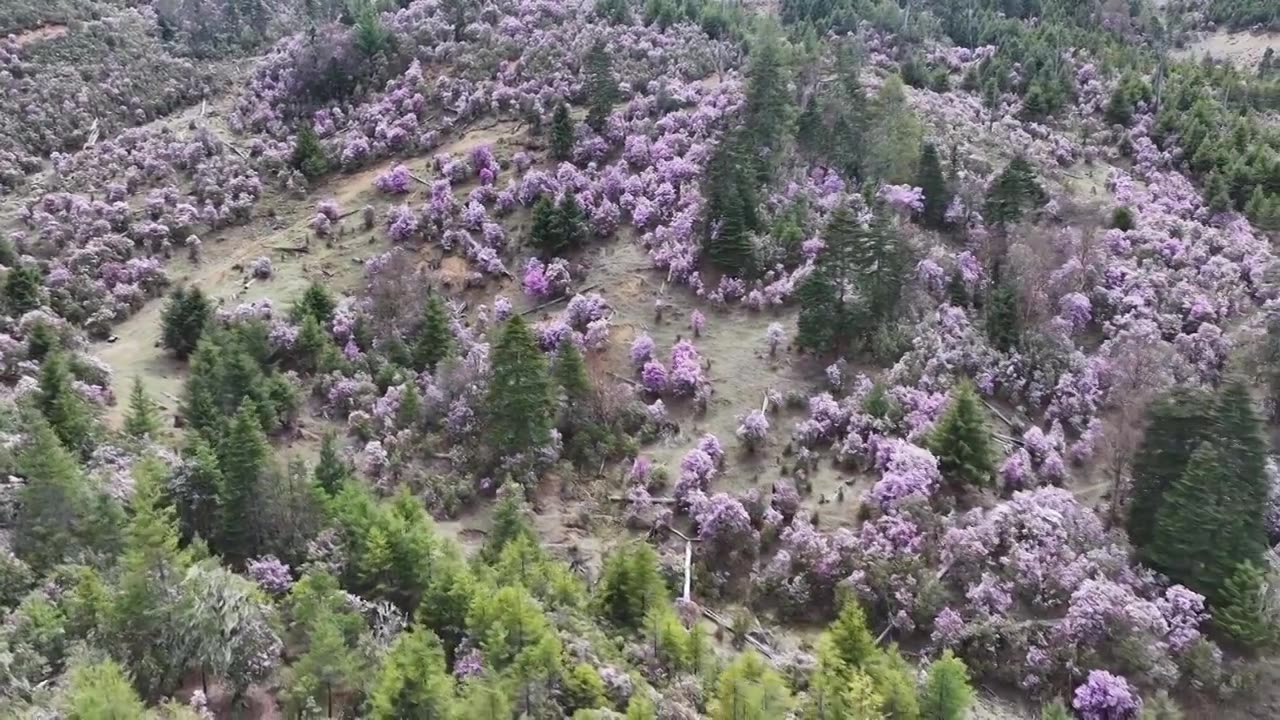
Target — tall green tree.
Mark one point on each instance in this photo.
(1246, 612)
(226, 626)
(316, 301)
(22, 290)
(730, 209)
(308, 154)
(542, 233)
(962, 442)
(768, 103)
(946, 694)
(100, 691)
(630, 585)
(242, 456)
(434, 341)
(329, 669)
(930, 179)
(894, 136)
(748, 689)
(197, 497)
(68, 413)
(1013, 192)
(142, 419)
(561, 133)
(1176, 424)
(571, 375)
(600, 85)
(185, 317)
(413, 681)
(519, 398)
(332, 472)
(1004, 322)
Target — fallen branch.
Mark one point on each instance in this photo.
(415, 177)
(999, 414)
(626, 380)
(290, 248)
(349, 213)
(237, 151)
(656, 501)
(560, 299)
(718, 619)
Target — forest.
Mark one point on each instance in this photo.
(662, 360)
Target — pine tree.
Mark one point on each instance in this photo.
(946, 694)
(519, 398)
(850, 638)
(730, 247)
(142, 419)
(184, 320)
(749, 689)
(894, 136)
(242, 457)
(410, 411)
(313, 351)
(730, 210)
(571, 375)
(630, 585)
(100, 691)
(1176, 425)
(641, 707)
(485, 700)
(198, 508)
(509, 524)
(328, 670)
(1239, 434)
(331, 472)
(317, 302)
(413, 681)
(929, 178)
(542, 234)
(1003, 318)
(962, 442)
(1014, 191)
(1159, 707)
(809, 129)
(434, 341)
(1055, 711)
(22, 288)
(600, 86)
(1245, 613)
(895, 683)
(1192, 518)
(68, 413)
(569, 224)
(308, 153)
(561, 133)
(767, 105)
(583, 689)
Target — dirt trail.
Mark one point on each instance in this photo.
(1244, 49)
(40, 34)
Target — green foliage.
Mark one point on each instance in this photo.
(142, 419)
(1246, 613)
(749, 689)
(1122, 218)
(100, 691)
(1176, 425)
(308, 154)
(518, 404)
(69, 414)
(641, 707)
(1055, 711)
(184, 320)
(1128, 92)
(851, 641)
(571, 375)
(510, 523)
(730, 211)
(329, 669)
(242, 457)
(227, 372)
(894, 681)
(629, 586)
(768, 101)
(600, 86)
(225, 623)
(1158, 707)
(23, 287)
(316, 301)
(894, 136)
(562, 124)
(485, 700)
(314, 351)
(1004, 318)
(962, 442)
(434, 341)
(583, 689)
(1013, 192)
(542, 233)
(946, 694)
(371, 36)
(930, 179)
(413, 681)
(331, 472)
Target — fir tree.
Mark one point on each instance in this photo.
(509, 525)
(328, 670)
(1160, 707)
(850, 639)
(434, 341)
(1239, 434)
(22, 289)
(142, 419)
(962, 442)
(242, 457)
(600, 85)
(41, 341)
(765, 114)
(641, 707)
(519, 398)
(331, 473)
(198, 509)
(569, 224)
(1245, 613)
(308, 153)
(1176, 425)
(1192, 518)
(630, 585)
(809, 129)
(100, 691)
(409, 412)
(184, 320)
(929, 178)
(730, 209)
(316, 302)
(895, 136)
(749, 689)
(1013, 192)
(313, 351)
(67, 412)
(1003, 318)
(542, 234)
(583, 689)
(1055, 711)
(957, 290)
(561, 133)
(571, 375)
(413, 681)
(946, 694)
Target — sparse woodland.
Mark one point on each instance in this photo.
(825, 359)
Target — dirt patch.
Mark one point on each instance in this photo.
(1244, 49)
(40, 34)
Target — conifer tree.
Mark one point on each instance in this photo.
(641, 707)
(1160, 707)
(851, 641)
(1245, 612)
(809, 129)
(767, 105)
(583, 689)
(413, 681)
(600, 85)
(519, 398)
(328, 670)
(435, 340)
(185, 317)
(749, 689)
(542, 234)
(242, 457)
(331, 472)
(1239, 434)
(1055, 711)
(957, 291)
(486, 700)
(198, 509)
(313, 351)
(100, 691)
(730, 210)
(569, 224)
(142, 419)
(308, 154)
(929, 178)
(41, 341)
(630, 585)
(317, 302)
(946, 694)
(571, 375)
(894, 680)
(1013, 192)
(509, 524)
(894, 136)
(1193, 535)
(1003, 317)
(68, 413)
(561, 133)
(22, 288)
(410, 410)
(962, 442)
(1176, 425)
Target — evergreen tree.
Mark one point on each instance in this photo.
(1239, 434)
(765, 114)
(561, 133)
(749, 689)
(435, 340)
(485, 700)
(1192, 517)
(509, 524)
(894, 680)
(198, 509)
(409, 413)
(730, 209)
(929, 178)
(851, 641)
(331, 472)
(519, 398)
(569, 224)
(328, 670)
(641, 707)
(413, 681)
(810, 135)
(946, 694)
(313, 351)
(957, 291)
(1013, 192)
(242, 457)
(1055, 711)
(22, 288)
(41, 341)
(600, 85)
(67, 412)
(1176, 425)
(1003, 318)
(542, 234)
(100, 691)
(1245, 612)
(142, 419)
(630, 585)
(583, 689)
(962, 442)
(571, 375)
(308, 153)
(895, 136)
(184, 320)
(317, 302)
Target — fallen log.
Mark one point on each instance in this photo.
(626, 380)
(558, 300)
(656, 501)
(290, 248)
